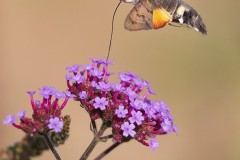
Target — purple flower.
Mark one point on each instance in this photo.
(68, 77)
(104, 86)
(94, 84)
(130, 92)
(107, 62)
(137, 104)
(136, 117)
(56, 124)
(100, 103)
(167, 125)
(73, 68)
(22, 114)
(164, 110)
(31, 92)
(175, 130)
(60, 95)
(83, 95)
(46, 91)
(96, 60)
(156, 106)
(146, 83)
(37, 103)
(153, 144)
(128, 129)
(137, 82)
(124, 77)
(78, 78)
(119, 87)
(121, 112)
(150, 91)
(132, 75)
(69, 94)
(88, 67)
(96, 73)
(151, 113)
(9, 120)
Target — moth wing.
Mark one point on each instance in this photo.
(140, 17)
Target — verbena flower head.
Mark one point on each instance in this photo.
(9, 120)
(46, 113)
(56, 124)
(153, 144)
(125, 105)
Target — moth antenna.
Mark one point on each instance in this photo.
(110, 42)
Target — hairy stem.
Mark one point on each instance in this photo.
(93, 127)
(50, 145)
(94, 142)
(104, 153)
(105, 138)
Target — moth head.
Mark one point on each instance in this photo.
(188, 16)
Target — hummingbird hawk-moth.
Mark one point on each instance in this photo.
(155, 14)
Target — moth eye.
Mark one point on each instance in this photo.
(187, 15)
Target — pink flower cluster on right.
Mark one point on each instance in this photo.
(125, 106)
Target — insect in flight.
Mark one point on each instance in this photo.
(155, 14)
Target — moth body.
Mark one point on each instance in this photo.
(186, 15)
(155, 14)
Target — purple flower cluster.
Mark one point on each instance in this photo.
(124, 105)
(46, 114)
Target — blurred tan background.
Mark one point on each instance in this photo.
(198, 76)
